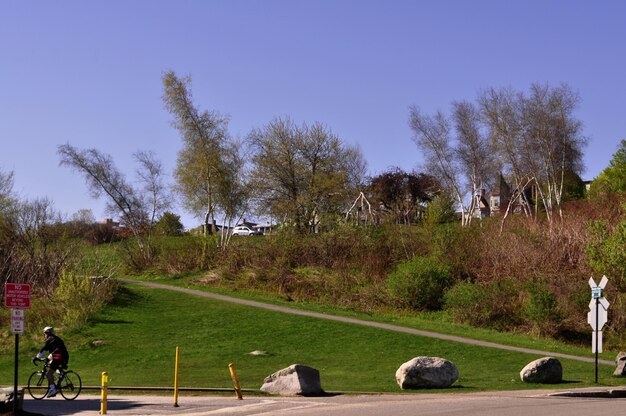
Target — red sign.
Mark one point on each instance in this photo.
(17, 295)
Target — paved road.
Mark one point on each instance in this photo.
(389, 327)
(514, 403)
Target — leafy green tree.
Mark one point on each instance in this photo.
(201, 164)
(573, 186)
(304, 175)
(612, 180)
(169, 224)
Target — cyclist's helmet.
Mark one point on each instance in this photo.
(48, 330)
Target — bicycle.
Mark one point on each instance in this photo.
(68, 383)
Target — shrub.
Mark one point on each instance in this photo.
(495, 304)
(419, 283)
(541, 308)
(182, 254)
(79, 297)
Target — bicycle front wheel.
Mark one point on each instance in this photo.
(38, 385)
(70, 386)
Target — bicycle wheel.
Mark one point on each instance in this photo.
(38, 385)
(70, 386)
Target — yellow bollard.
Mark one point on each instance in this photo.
(103, 393)
(176, 379)
(233, 375)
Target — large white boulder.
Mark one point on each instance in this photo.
(546, 370)
(297, 379)
(620, 363)
(426, 372)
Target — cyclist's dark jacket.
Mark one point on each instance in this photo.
(55, 346)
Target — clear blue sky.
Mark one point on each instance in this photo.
(89, 73)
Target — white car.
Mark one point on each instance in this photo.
(244, 230)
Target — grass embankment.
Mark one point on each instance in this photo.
(142, 328)
(439, 322)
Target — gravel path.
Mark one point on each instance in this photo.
(389, 327)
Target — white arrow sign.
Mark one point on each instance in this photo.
(597, 315)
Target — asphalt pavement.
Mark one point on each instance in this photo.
(579, 402)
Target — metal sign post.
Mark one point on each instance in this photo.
(597, 315)
(16, 297)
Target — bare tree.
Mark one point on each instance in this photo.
(402, 194)
(151, 177)
(473, 152)
(7, 198)
(136, 207)
(537, 139)
(234, 193)
(552, 142)
(502, 111)
(432, 137)
(29, 250)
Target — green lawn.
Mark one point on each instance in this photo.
(428, 321)
(142, 329)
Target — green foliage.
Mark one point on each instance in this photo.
(612, 179)
(419, 283)
(169, 224)
(440, 210)
(573, 186)
(302, 173)
(541, 308)
(78, 297)
(493, 304)
(606, 250)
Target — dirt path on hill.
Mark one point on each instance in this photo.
(388, 327)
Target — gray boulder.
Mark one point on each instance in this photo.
(547, 370)
(620, 362)
(426, 372)
(297, 379)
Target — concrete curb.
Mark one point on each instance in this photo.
(604, 394)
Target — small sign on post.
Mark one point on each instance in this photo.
(16, 297)
(17, 321)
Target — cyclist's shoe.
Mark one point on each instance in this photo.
(52, 392)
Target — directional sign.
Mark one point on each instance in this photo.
(17, 295)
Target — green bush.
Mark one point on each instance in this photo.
(541, 308)
(419, 283)
(496, 304)
(183, 254)
(78, 297)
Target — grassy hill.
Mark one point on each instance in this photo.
(140, 330)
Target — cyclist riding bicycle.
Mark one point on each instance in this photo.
(58, 356)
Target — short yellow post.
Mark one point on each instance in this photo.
(103, 393)
(233, 375)
(176, 379)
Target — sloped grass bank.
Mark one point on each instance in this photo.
(439, 321)
(141, 329)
